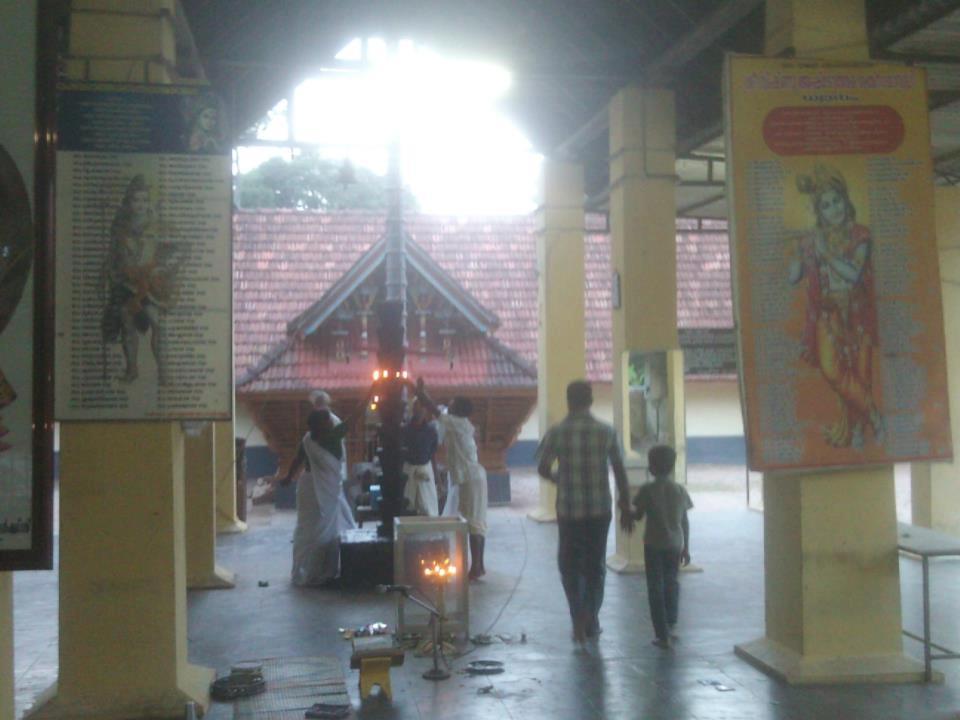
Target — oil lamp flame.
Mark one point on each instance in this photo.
(439, 570)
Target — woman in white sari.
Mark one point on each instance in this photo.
(322, 508)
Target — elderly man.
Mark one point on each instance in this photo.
(320, 400)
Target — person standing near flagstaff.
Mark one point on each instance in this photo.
(466, 472)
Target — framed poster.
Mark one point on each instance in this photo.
(836, 290)
(26, 304)
(144, 207)
(653, 406)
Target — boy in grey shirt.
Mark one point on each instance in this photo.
(666, 539)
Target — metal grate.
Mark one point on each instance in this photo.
(293, 685)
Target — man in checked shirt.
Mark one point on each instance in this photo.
(583, 448)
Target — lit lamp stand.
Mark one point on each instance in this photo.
(440, 574)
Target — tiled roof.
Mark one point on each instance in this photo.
(284, 262)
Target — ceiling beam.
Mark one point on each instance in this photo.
(705, 34)
(711, 28)
(921, 15)
(700, 204)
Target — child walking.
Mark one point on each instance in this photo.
(666, 539)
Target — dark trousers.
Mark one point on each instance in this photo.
(663, 590)
(581, 557)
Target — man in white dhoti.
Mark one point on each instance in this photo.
(420, 438)
(322, 509)
(467, 475)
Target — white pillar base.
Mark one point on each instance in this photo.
(230, 527)
(624, 564)
(111, 704)
(546, 511)
(783, 663)
(219, 579)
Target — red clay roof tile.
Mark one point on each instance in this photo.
(285, 260)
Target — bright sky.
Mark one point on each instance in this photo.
(459, 152)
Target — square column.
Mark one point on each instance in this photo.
(123, 601)
(832, 580)
(935, 487)
(561, 355)
(831, 563)
(817, 28)
(123, 594)
(225, 464)
(203, 573)
(644, 257)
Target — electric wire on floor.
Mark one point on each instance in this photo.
(513, 591)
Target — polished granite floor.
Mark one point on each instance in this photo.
(621, 676)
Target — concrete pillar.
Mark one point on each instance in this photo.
(831, 568)
(561, 353)
(123, 601)
(6, 646)
(935, 487)
(200, 492)
(643, 253)
(225, 463)
(832, 29)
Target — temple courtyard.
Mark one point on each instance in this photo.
(620, 676)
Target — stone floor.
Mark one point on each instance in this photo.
(622, 676)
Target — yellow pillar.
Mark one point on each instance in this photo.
(832, 29)
(560, 341)
(123, 602)
(6, 646)
(831, 566)
(644, 258)
(225, 464)
(203, 573)
(935, 487)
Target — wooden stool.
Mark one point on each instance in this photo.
(373, 657)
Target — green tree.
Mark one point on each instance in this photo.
(310, 182)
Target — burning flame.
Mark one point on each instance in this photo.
(440, 570)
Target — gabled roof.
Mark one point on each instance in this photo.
(481, 319)
(285, 260)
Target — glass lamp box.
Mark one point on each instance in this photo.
(430, 555)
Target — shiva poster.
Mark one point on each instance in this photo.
(840, 326)
(144, 314)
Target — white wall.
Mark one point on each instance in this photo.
(713, 409)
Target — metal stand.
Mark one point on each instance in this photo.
(436, 672)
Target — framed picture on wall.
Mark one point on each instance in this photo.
(26, 289)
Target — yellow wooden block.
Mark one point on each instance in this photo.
(375, 671)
